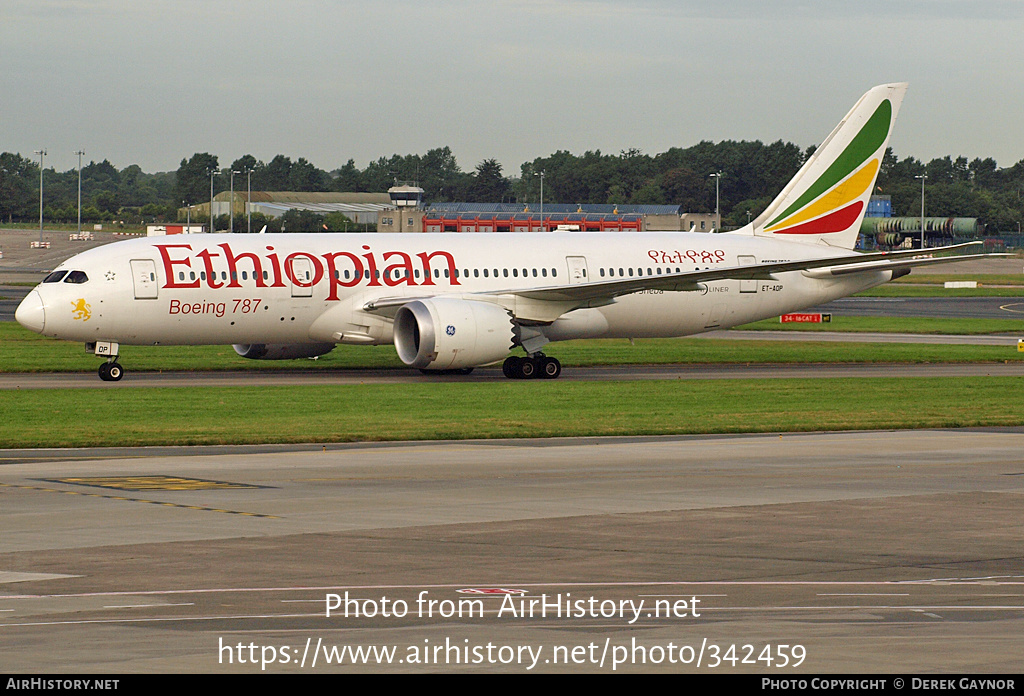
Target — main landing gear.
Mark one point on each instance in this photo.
(111, 371)
(537, 366)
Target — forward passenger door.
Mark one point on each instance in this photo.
(144, 278)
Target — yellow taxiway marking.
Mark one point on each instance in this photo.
(150, 483)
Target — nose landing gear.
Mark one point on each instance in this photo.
(111, 371)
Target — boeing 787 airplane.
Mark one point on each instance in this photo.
(452, 302)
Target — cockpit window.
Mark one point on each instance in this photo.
(77, 277)
(55, 277)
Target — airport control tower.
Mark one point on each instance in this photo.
(407, 213)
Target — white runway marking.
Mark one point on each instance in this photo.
(863, 594)
(569, 585)
(148, 606)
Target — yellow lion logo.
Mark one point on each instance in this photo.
(82, 310)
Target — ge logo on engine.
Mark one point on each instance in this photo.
(450, 330)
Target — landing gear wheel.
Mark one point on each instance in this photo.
(539, 366)
(510, 368)
(111, 372)
(550, 368)
(527, 368)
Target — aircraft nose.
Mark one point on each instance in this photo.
(30, 312)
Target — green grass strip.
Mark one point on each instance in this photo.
(980, 278)
(499, 409)
(925, 290)
(910, 325)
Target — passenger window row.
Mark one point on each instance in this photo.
(192, 275)
(399, 273)
(395, 274)
(80, 277)
(635, 272)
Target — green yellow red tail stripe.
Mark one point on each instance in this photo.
(836, 198)
(826, 199)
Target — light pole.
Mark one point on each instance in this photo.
(40, 153)
(922, 177)
(248, 199)
(212, 172)
(231, 204)
(541, 175)
(718, 215)
(79, 153)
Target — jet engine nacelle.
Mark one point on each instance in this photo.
(444, 334)
(282, 351)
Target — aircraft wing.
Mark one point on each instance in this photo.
(593, 294)
(691, 280)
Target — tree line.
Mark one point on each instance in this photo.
(752, 174)
(107, 192)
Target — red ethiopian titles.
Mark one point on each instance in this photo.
(393, 268)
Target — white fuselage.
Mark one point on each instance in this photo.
(307, 288)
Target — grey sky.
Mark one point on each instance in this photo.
(150, 82)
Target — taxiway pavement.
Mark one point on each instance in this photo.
(49, 380)
(875, 552)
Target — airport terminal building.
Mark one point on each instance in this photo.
(361, 208)
(409, 214)
(517, 217)
(402, 210)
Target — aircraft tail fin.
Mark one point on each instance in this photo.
(826, 200)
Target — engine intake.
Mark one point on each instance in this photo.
(444, 334)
